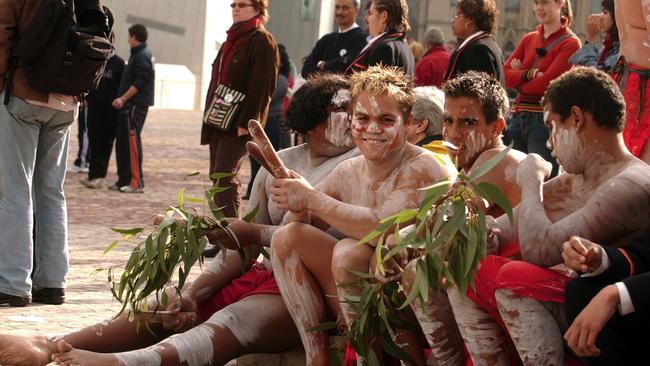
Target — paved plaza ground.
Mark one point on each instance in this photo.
(171, 152)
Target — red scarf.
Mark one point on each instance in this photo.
(235, 37)
(608, 42)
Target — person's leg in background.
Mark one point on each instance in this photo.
(227, 152)
(122, 151)
(515, 131)
(102, 127)
(50, 211)
(136, 119)
(80, 164)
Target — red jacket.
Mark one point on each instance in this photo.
(430, 70)
(553, 64)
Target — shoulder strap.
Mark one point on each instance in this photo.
(551, 46)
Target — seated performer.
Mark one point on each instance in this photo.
(476, 106)
(222, 318)
(352, 200)
(608, 306)
(602, 195)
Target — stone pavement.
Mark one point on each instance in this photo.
(171, 152)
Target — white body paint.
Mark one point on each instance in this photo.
(144, 357)
(341, 98)
(338, 130)
(374, 105)
(195, 346)
(568, 149)
(476, 144)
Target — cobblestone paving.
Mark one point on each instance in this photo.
(171, 152)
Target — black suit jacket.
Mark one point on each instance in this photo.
(390, 50)
(630, 264)
(480, 54)
(329, 49)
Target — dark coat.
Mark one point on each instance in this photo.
(481, 54)
(253, 70)
(106, 92)
(140, 73)
(390, 50)
(329, 49)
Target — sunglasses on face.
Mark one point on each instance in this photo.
(240, 5)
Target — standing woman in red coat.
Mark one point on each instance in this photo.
(541, 56)
(247, 63)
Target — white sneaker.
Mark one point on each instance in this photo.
(94, 183)
(78, 169)
(129, 189)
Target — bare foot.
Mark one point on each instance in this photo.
(69, 356)
(25, 351)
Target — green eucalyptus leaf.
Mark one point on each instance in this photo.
(181, 197)
(111, 246)
(488, 165)
(251, 215)
(495, 195)
(323, 326)
(128, 233)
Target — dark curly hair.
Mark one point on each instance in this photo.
(592, 91)
(483, 12)
(309, 105)
(486, 89)
(398, 14)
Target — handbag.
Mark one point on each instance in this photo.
(224, 106)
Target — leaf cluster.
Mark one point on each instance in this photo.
(448, 240)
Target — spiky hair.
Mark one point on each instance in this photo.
(388, 80)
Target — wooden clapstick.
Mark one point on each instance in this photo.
(270, 159)
(256, 154)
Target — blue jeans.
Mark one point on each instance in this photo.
(33, 214)
(529, 134)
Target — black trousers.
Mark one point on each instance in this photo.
(102, 127)
(624, 340)
(128, 146)
(84, 153)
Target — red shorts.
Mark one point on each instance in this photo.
(258, 280)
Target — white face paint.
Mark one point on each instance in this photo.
(567, 149)
(476, 143)
(341, 98)
(338, 130)
(374, 105)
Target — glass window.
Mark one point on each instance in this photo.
(512, 5)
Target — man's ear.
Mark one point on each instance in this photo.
(421, 125)
(577, 117)
(498, 126)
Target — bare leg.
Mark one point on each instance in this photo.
(484, 339)
(545, 345)
(259, 323)
(350, 256)
(438, 323)
(301, 256)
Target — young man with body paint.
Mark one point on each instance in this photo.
(476, 106)
(352, 200)
(244, 315)
(603, 195)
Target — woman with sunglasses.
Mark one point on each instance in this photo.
(247, 63)
(541, 56)
(387, 22)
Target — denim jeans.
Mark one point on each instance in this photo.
(33, 215)
(529, 134)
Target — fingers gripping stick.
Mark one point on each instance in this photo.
(264, 150)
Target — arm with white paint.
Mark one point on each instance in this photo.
(611, 214)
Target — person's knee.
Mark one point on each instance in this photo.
(349, 256)
(284, 241)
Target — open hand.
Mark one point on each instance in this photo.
(515, 64)
(581, 336)
(582, 255)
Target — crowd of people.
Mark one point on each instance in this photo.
(563, 282)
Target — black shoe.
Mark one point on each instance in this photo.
(49, 295)
(16, 301)
(210, 251)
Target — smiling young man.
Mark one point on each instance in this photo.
(602, 195)
(351, 201)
